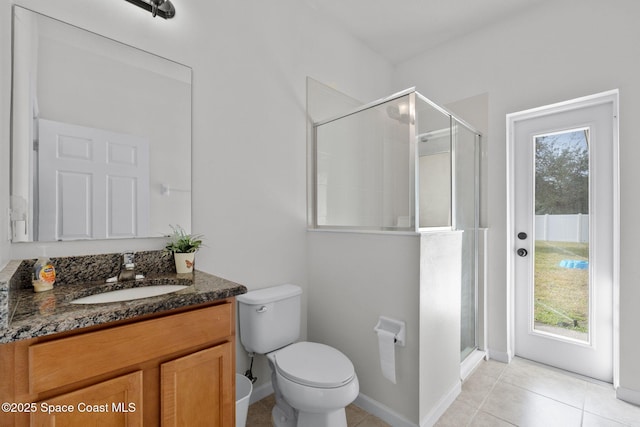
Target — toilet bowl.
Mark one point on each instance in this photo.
(316, 380)
(312, 382)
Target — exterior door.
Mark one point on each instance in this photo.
(92, 183)
(563, 226)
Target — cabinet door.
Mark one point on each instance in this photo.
(198, 389)
(116, 402)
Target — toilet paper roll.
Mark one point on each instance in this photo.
(387, 348)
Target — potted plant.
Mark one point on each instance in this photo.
(183, 246)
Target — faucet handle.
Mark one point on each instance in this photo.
(127, 269)
(127, 258)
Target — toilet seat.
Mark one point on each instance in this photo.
(314, 365)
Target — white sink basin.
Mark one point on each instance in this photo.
(129, 294)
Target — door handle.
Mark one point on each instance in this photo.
(522, 252)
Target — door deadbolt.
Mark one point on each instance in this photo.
(522, 235)
(522, 252)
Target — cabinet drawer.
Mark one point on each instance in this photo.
(67, 360)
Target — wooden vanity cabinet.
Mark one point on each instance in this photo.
(188, 397)
(170, 370)
(89, 407)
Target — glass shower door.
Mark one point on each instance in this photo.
(465, 183)
(448, 198)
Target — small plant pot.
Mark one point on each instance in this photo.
(184, 262)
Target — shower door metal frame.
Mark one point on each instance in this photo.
(413, 168)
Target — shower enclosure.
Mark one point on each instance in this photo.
(401, 164)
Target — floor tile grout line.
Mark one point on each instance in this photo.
(542, 395)
(582, 409)
(477, 410)
(587, 381)
(499, 380)
(624, 423)
(564, 372)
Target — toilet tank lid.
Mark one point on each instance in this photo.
(267, 295)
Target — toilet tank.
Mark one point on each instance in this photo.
(269, 318)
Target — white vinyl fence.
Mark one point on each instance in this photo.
(563, 228)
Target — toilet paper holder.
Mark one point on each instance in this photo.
(396, 327)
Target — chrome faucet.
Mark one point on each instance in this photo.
(127, 269)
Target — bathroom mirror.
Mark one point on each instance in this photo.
(101, 136)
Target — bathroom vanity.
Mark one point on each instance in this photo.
(166, 360)
(160, 360)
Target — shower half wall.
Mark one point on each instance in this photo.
(385, 179)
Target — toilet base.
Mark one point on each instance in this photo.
(308, 419)
(324, 419)
(280, 419)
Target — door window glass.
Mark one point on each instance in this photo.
(561, 300)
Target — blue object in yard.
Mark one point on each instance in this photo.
(570, 263)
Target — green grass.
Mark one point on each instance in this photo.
(561, 294)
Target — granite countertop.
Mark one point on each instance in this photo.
(45, 313)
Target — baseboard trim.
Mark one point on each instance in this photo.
(500, 356)
(261, 392)
(378, 409)
(628, 395)
(434, 415)
(383, 412)
(469, 365)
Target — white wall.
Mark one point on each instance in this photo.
(554, 52)
(250, 60)
(355, 278)
(440, 322)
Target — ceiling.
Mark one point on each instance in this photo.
(401, 29)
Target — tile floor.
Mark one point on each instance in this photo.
(260, 415)
(522, 393)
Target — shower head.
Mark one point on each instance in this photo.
(400, 112)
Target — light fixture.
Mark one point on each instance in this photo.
(162, 8)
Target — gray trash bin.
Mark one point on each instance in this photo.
(243, 394)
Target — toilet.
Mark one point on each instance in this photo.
(312, 382)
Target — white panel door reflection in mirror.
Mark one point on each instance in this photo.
(92, 183)
(564, 222)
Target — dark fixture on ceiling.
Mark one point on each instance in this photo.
(162, 8)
